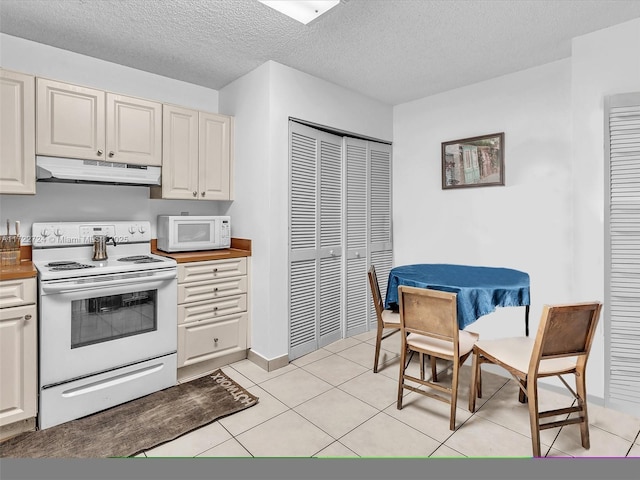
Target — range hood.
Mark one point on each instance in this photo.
(72, 170)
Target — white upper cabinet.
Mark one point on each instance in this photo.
(197, 153)
(134, 130)
(180, 153)
(85, 123)
(17, 127)
(215, 156)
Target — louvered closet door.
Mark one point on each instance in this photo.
(315, 270)
(380, 241)
(356, 205)
(624, 250)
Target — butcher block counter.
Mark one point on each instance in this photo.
(240, 247)
(24, 269)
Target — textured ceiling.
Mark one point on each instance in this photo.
(391, 50)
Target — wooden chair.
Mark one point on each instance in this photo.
(560, 347)
(429, 326)
(386, 318)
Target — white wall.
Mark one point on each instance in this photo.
(248, 100)
(288, 93)
(66, 202)
(525, 224)
(604, 63)
(548, 219)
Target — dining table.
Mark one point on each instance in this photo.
(479, 289)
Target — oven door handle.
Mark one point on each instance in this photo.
(126, 279)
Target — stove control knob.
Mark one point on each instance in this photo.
(132, 229)
(141, 229)
(45, 233)
(58, 232)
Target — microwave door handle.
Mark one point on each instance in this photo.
(74, 286)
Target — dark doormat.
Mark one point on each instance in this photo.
(138, 425)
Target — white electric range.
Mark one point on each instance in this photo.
(107, 328)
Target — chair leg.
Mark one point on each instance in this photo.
(534, 418)
(403, 359)
(454, 394)
(434, 373)
(479, 382)
(522, 397)
(473, 388)
(421, 366)
(377, 354)
(581, 388)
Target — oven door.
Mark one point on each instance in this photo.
(95, 324)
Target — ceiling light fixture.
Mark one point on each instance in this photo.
(303, 11)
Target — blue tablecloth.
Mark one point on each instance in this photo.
(479, 289)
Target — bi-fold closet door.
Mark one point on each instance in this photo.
(622, 245)
(339, 223)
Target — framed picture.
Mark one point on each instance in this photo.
(473, 162)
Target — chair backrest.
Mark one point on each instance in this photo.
(375, 292)
(428, 312)
(565, 331)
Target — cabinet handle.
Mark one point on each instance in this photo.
(215, 289)
(99, 152)
(195, 194)
(111, 154)
(215, 340)
(27, 317)
(203, 193)
(215, 309)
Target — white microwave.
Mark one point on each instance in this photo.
(182, 233)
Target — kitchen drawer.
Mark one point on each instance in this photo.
(202, 341)
(208, 290)
(211, 270)
(17, 292)
(213, 309)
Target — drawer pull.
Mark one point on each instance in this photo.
(215, 289)
(27, 317)
(215, 340)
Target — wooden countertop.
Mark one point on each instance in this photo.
(240, 247)
(14, 272)
(24, 270)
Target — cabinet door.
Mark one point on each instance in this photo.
(17, 124)
(200, 341)
(179, 153)
(134, 130)
(70, 120)
(215, 156)
(18, 368)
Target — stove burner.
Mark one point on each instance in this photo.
(61, 266)
(139, 259)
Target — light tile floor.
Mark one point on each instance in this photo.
(330, 404)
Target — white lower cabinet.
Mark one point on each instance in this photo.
(212, 314)
(18, 356)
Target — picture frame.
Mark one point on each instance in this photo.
(473, 162)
